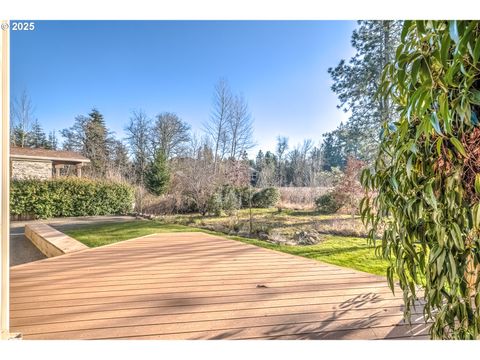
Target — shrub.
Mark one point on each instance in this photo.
(69, 197)
(230, 200)
(328, 203)
(243, 193)
(348, 190)
(215, 204)
(266, 198)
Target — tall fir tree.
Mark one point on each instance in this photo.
(90, 136)
(52, 141)
(157, 178)
(357, 82)
(37, 137)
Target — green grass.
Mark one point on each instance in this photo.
(349, 252)
(108, 233)
(344, 251)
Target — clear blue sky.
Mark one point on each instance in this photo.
(68, 67)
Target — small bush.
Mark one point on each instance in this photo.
(266, 198)
(230, 200)
(244, 193)
(215, 204)
(328, 204)
(69, 197)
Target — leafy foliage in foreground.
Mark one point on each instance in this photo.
(69, 197)
(427, 174)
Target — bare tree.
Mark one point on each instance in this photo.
(119, 166)
(217, 126)
(138, 137)
(194, 176)
(22, 115)
(170, 134)
(240, 128)
(282, 147)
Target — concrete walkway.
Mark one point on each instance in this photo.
(23, 251)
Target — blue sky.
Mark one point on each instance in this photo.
(68, 67)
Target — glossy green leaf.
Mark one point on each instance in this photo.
(477, 184)
(435, 123)
(453, 30)
(458, 145)
(475, 97)
(476, 52)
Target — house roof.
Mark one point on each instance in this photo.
(45, 154)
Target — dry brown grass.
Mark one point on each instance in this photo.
(300, 198)
(277, 226)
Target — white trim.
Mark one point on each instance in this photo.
(33, 157)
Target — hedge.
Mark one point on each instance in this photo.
(69, 197)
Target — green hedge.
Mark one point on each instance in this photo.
(69, 197)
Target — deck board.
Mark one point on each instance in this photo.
(200, 286)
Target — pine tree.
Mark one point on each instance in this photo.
(97, 144)
(157, 178)
(37, 137)
(90, 136)
(52, 141)
(356, 83)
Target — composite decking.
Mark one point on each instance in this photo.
(199, 286)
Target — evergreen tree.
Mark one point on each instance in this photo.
(52, 141)
(37, 137)
(157, 178)
(90, 136)
(357, 82)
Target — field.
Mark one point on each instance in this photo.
(283, 226)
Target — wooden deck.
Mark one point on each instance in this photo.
(198, 286)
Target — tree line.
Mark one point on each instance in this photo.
(152, 143)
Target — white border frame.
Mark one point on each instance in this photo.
(5, 185)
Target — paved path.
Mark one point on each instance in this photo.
(199, 286)
(23, 251)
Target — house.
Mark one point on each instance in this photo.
(42, 163)
(253, 176)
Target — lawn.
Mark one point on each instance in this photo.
(351, 252)
(109, 233)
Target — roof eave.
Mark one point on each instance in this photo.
(30, 157)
